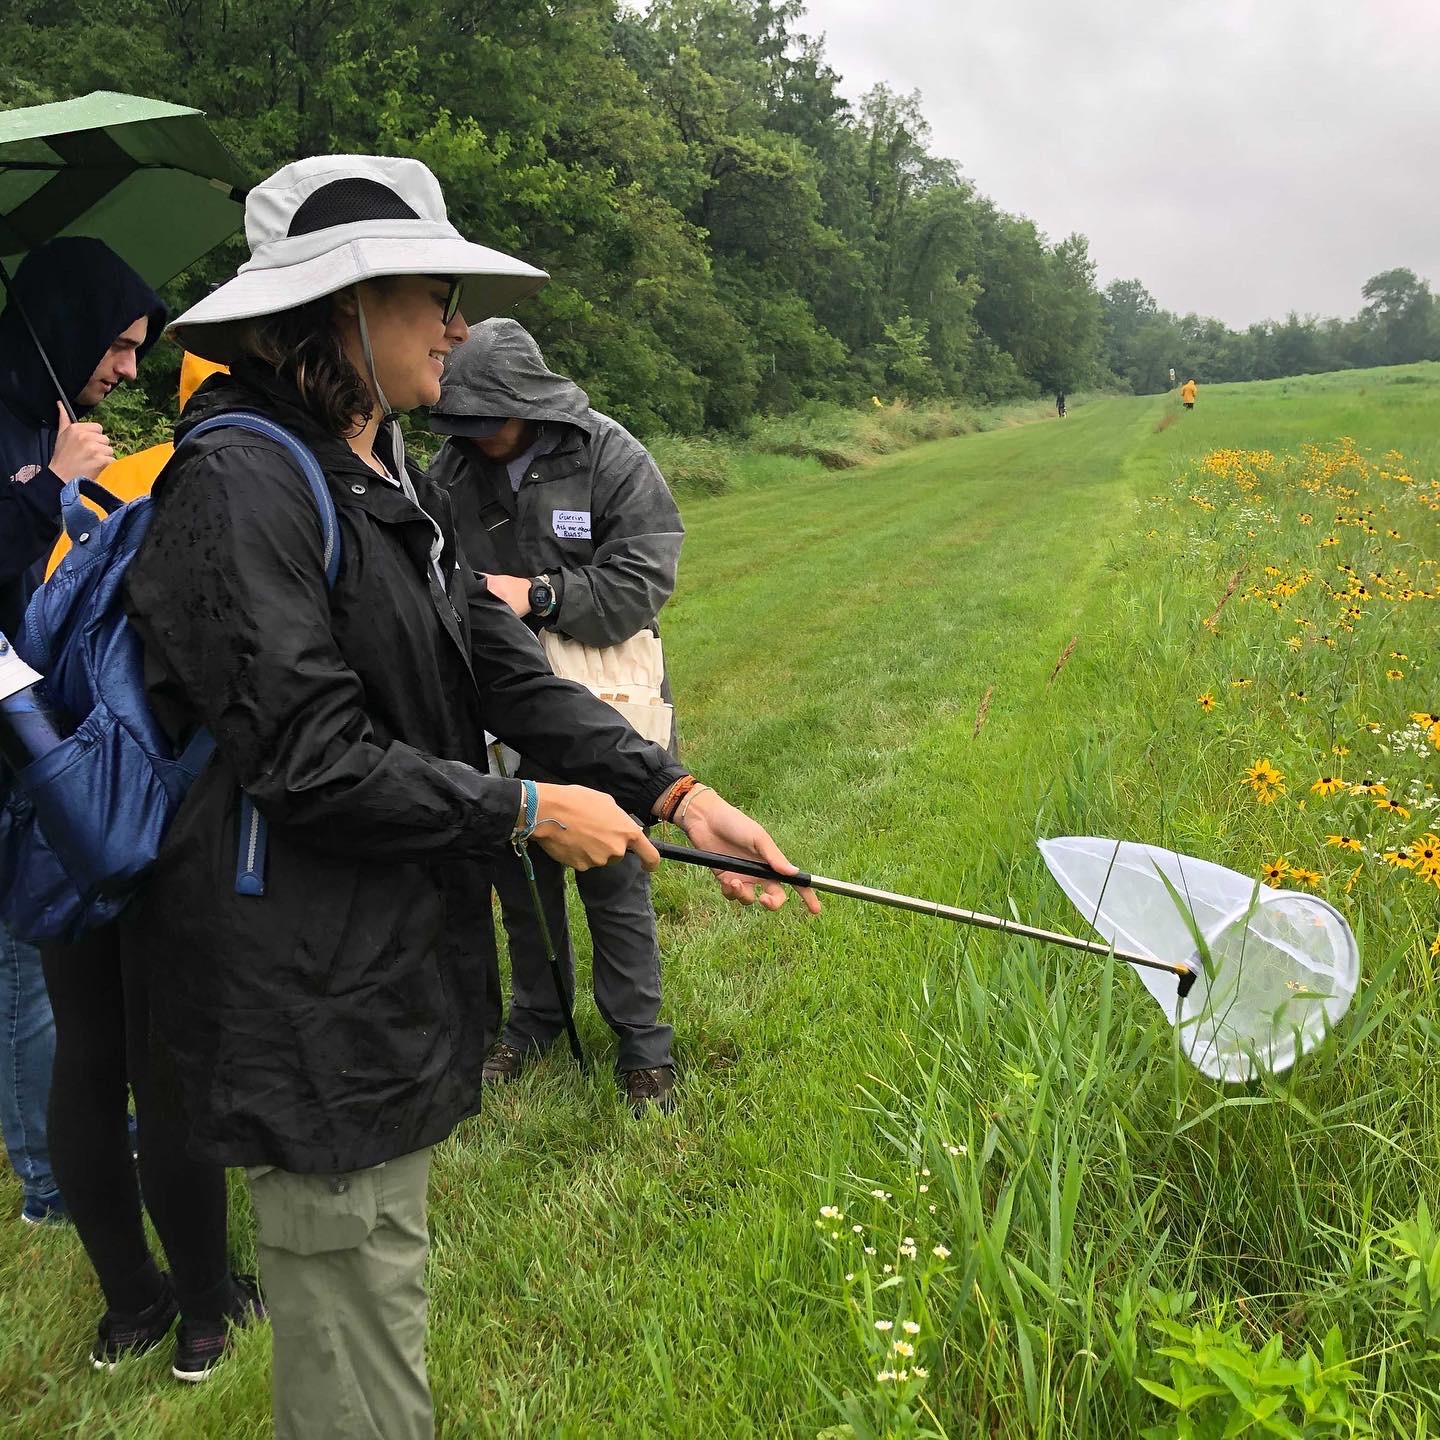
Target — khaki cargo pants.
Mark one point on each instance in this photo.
(342, 1264)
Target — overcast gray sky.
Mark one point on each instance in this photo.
(1241, 157)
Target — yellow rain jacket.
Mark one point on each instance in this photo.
(1187, 392)
(132, 476)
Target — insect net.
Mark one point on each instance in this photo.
(1276, 969)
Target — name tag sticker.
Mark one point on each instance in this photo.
(571, 524)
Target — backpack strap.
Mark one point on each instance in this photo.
(250, 858)
(304, 459)
(78, 519)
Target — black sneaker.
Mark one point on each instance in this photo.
(200, 1345)
(122, 1334)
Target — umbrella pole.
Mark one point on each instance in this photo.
(1184, 974)
(14, 300)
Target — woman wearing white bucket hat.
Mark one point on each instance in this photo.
(329, 1031)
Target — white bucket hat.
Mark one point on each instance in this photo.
(323, 224)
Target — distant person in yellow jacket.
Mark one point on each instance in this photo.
(1187, 394)
(132, 477)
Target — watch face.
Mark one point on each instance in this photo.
(542, 597)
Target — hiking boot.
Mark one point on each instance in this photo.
(502, 1065)
(45, 1209)
(122, 1334)
(644, 1088)
(200, 1345)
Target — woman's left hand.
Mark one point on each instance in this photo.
(712, 823)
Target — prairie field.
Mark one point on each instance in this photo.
(932, 1181)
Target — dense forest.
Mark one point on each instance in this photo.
(726, 231)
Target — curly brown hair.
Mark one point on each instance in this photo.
(303, 347)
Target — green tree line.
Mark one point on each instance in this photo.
(1398, 324)
(726, 232)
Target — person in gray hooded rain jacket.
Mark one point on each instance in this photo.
(571, 523)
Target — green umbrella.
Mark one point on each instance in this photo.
(149, 179)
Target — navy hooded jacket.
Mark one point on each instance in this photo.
(79, 296)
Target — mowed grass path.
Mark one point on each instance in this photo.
(831, 643)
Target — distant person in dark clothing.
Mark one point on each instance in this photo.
(96, 318)
(1060, 403)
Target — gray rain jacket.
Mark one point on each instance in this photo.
(594, 513)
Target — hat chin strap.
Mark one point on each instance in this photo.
(389, 420)
(387, 416)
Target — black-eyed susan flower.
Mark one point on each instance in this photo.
(1393, 806)
(1426, 854)
(1345, 842)
(1275, 871)
(1301, 876)
(1393, 674)
(1327, 785)
(1369, 787)
(1266, 781)
(1206, 702)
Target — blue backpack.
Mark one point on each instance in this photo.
(81, 825)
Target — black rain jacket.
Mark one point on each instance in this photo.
(341, 1019)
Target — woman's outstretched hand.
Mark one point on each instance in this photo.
(712, 823)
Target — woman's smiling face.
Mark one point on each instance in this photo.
(410, 337)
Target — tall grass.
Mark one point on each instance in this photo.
(1128, 1248)
(1098, 1205)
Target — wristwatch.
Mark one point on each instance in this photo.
(543, 599)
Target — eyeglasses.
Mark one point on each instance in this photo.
(452, 300)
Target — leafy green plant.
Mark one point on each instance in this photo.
(1217, 1385)
(1415, 1269)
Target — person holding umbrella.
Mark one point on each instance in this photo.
(106, 197)
(95, 318)
(330, 1031)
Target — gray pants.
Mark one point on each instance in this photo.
(342, 1264)
(626, 950)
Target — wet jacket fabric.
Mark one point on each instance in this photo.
(594, 513)
(341, 1019)
(79, 296)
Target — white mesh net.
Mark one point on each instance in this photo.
(1282, 967)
